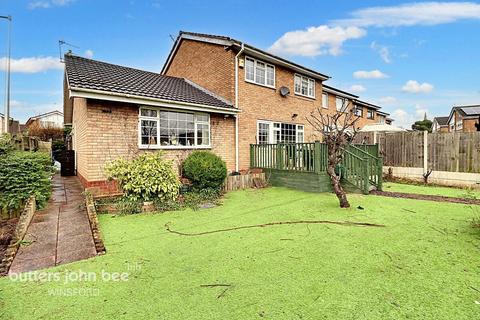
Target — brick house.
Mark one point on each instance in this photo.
(440, 124)
(464, 119)
(213, 93)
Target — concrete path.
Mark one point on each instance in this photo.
(58, 234)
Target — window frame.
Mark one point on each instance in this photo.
(272, 130)
(157, 119)
(266, 65)
(309, 80)
(355, 109)
(326, 100)
(343, 108)
(372, 112)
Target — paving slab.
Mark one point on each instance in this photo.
(58, 234)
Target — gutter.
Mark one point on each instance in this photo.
(236, 105)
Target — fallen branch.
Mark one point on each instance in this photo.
(340, 223)
(215, 285)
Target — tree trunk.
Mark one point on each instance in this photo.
(334, 179)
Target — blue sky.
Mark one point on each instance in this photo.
(410, 58)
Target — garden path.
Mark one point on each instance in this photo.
(58, 234)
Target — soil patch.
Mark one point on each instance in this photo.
(417, 196)
(7, 228)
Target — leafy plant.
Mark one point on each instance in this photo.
(126, 205)
(23, 174)
(6, 143)
(205, 170)
(147, 177)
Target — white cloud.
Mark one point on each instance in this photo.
(32, 64)
(413, 86)
(373, 74)
(45, 4)
(410, 14)
(387, 100)
(316, 41)
(357, 88)
(383, 51)
(88, 54)
(405, 120)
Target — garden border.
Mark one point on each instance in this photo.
(20, 230)
(93, 219)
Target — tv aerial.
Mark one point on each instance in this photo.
(61, 44)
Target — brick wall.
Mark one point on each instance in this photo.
(208, 65)
(105, 131)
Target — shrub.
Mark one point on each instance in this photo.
(205, 170)
(6, 143)
(23, 174)
(146, 177)
(45, 133)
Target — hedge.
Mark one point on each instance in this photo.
(23, 174)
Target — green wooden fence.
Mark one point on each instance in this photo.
(360, 166)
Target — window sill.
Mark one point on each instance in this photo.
(305, 96)
(143, 147)
(261, 85)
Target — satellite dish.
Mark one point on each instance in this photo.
(284, 91)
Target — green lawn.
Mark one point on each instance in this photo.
(423, 265)
(436, 191)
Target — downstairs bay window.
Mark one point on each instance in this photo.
(160, 128)
(278, 132)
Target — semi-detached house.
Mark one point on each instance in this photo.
(213, 93)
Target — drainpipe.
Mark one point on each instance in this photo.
(236, 106)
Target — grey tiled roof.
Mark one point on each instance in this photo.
(90, 74)
(443, 121)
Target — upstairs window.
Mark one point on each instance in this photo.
(358, 111)
(370, 114)
(259, 72)
(325, 100)
(304, 86)
(341, 104)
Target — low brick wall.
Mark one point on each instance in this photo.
(20, 231)
(92, 218)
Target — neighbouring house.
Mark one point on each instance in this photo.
(52, 119)
(440, 124)
(464, 119)
(213, 93)
(14, 126)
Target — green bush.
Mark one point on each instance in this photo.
(146, 177)
(23, 174)
(205, 170)
(6, 143)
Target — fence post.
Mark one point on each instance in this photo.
(380, 174)
(279, 156)
(425, 151)
(366, 180)
(251, 156)
(317, 154)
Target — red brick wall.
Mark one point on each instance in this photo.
(208, 65)
(109, 130)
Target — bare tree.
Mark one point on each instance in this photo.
(338, 130)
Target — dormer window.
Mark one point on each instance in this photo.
(259, 72)
(304, 86)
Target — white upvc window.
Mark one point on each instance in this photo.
(370, 114)
(169, 129)
(304, 86)
(274, 132)
(325, 100)
(259, 72)
(358, 111)
(341, 104)
(460, 124)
